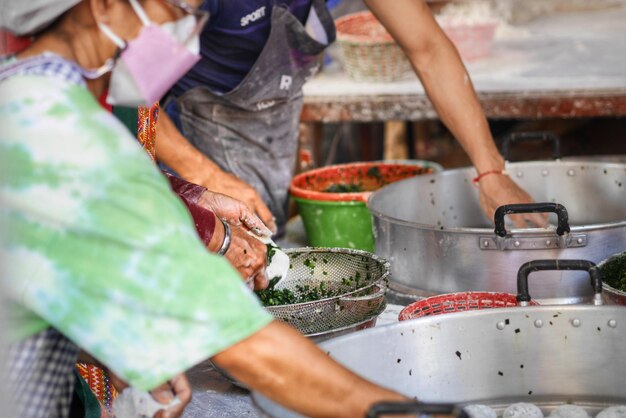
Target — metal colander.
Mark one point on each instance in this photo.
(358, 278)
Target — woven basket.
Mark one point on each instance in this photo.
(368, 52)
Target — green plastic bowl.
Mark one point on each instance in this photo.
(337, 224)
(341, 219)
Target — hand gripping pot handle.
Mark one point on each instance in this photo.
(532, 136)
(502, 211)
(401, 408)
(523, 296)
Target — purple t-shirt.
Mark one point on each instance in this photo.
(233, 40)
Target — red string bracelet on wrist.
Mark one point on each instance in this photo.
(479, 177)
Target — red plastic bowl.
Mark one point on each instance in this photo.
(371, 176)
(458, 302)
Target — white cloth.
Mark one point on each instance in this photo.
(278, 265)
(132, 403)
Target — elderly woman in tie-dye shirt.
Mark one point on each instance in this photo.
(97, 252)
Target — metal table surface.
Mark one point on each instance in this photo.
(566, 65)
(215, 396)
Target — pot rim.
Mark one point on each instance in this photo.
(489, 230)
(475, 315)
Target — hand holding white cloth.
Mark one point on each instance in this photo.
(132, 403)
(277, 259)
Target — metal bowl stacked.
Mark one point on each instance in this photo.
(355, 284)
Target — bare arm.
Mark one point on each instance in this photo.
(208, 209)
(286, 367)
(173, 149)
(446, 81)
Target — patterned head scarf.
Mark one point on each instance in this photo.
(26, 17)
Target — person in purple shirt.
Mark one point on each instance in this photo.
(237, 110)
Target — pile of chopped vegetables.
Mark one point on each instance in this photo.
(344, 188)
(375, 173)
(614, 273)
(306, 293)
(620, 282)
(274, 297)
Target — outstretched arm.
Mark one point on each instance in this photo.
(173, 149)
(286, 367)
(447, 83)
(246, 253)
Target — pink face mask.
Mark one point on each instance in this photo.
(150, 64)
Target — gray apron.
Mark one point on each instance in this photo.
(252, 130)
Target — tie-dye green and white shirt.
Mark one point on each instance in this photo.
(94, 244)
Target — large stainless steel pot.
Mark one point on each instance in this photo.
(433, 232)
(547, 355)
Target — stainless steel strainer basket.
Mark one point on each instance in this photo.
(357, 278)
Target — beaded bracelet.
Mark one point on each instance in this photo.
(226, 242)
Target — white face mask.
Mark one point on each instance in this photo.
(150, 64)
(182, 31)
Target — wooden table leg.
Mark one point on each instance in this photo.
(309, 146)
(395, 146)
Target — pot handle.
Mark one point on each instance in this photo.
(532, 136)
(561, 213)
(401, 408)
(523, 297)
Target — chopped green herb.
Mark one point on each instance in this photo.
(304, 293)
(344, 188)
(374, 171)
(271, 250)
(274, 297)
(614, 273)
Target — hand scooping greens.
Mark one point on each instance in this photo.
(277, 260)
